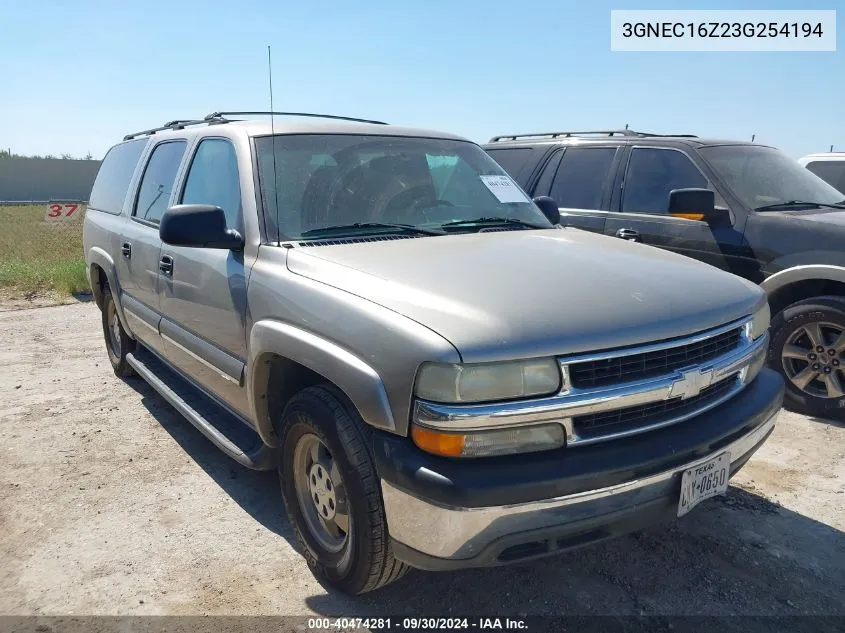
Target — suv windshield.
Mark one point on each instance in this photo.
(326, 185)
(765, 177)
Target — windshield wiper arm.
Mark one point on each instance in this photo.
(799, 203)
(494, 220)
(409, 228)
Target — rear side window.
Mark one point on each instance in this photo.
(581, 177)
(831, 171)
(652, 174)
(213, 179)
(157, 181)
(116, 170)
(516, 161)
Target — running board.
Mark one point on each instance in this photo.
(228, 432)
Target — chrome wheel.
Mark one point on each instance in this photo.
(113, 329)
(812, 359)
(321, 493)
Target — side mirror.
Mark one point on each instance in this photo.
(198, 225)
(693, 204)
(549, 208)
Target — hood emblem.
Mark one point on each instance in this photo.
(691, 383)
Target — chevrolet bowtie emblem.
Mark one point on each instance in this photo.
(691, 383)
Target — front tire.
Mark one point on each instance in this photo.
(808, 349)
(118, 342)
(332, 495)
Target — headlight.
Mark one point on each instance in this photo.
(485, 382)
(759, 323)
(524, 439)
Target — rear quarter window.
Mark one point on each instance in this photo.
(112, 182)
(517, 161)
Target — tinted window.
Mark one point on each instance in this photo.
(652, 174)
(762, 176)
(581, 177)
(213, 179)
(544, 183)
(831, 171)
(157, 181)
(516, 161)
(112, 182)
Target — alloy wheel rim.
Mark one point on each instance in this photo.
(812, 359)
(321, 493)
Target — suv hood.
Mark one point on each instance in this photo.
(521, 294)
(816, 215)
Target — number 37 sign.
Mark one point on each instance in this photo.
(59, 212)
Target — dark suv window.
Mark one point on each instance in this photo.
(116, 170)
(213, 179)
(516, 161)
(652, 174)
(157, 181)
(581, 177)
(831, 171)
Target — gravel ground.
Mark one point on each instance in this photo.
(112, 504)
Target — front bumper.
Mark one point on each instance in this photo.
(450, 514)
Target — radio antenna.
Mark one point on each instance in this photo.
(273, 147)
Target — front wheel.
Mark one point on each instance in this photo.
(332, 495)
(808, 349)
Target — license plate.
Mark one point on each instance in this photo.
(704, 481)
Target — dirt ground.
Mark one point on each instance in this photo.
(112, 504)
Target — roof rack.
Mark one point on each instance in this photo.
(609, 133)
(220, 117)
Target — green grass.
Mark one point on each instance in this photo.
(37, 255)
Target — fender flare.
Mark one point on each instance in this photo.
(357, 379)
(784, 278)
(99, 257)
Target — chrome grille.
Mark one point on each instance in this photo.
(651, 414)
(633, 367)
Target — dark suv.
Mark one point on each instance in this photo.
(742, 207)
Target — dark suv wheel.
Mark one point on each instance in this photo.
(808, 348)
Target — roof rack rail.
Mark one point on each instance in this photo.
(178, 124)
(553, 135)
(220, 117)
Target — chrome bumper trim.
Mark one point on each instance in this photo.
(566, 404)
(461, 533)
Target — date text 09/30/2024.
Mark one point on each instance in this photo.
(416, 624)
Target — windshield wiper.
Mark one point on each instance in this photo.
(408, 228)
(790, 204)
(494, 221)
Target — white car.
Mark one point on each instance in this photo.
(829, 166)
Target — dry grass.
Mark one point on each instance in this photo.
(37, 255)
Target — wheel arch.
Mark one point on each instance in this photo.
(803, 282)
(285, 359)
(101, 271)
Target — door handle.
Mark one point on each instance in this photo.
(628, 234)
(165, 265)
(126, 249)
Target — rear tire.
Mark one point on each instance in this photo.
(803, 336)
(332, 495)
(118, 342)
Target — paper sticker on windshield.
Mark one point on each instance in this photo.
(504, 189)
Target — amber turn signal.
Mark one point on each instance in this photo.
(437, 442)
(688, 216)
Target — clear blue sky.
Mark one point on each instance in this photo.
(76, 76)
